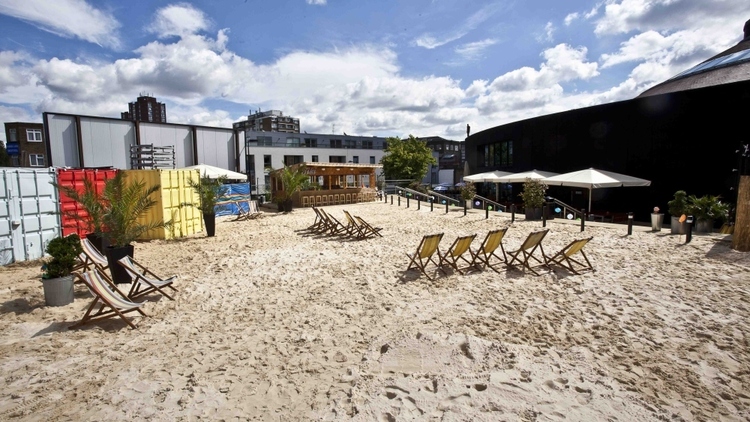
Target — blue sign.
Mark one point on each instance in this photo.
(12, 148)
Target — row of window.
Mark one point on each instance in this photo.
(296, 159)
(499, 154)
(32, 135)
(35, 160)
(267, 141)
(447, 147)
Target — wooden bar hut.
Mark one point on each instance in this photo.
(332, 184)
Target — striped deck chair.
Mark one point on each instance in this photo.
(353, 228)
(368, 229)
(425, 251)
(91, 257)
(526, 251)
(107, 297)
(144, 280)
(456, 252)
(563, 258)
(484, 254)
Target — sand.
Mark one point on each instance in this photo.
(274, 324)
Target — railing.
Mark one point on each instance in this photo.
(565, 207)
(448, 199)
(485, 201)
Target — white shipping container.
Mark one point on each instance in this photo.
(29, 216)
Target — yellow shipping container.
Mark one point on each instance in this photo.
(171, 198)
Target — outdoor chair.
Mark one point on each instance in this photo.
(367, 229)
(319, 222)
(456, 252)
(144, 280)
(425, 252)
(333, 226)
(483, 256)
(353, 228)
(563, 258)
(111, 301)
(520, 258)
(91, 257)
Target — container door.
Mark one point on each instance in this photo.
(6, 218)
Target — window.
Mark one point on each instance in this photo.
(372, 159)
(311, 142)
(36, 160)
(335, 143)
(367, 144)
(499, 154)
(292, 159)
(13, 136)
(337, 158)
(314, 158)
(292, 142)
(265, 141)
(351, 143)
(34, 135)
(266, 161)
(355, 159)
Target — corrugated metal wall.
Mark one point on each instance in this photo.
(180, 137)
(74, 178)
(29, 216)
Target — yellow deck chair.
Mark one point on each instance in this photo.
(456, 252)
(425, 251)
(483, 256)
(563, 258)
(526, 251)
(111, 301)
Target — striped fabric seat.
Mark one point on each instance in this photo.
(111, 301)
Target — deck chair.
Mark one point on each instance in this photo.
(318, 221)
(254, 210)
(456, 252)
(91, 257)
(483, 256)
(424, 254)
(333, 226)
(111, 301)
(520, 257)
(367, 229)
(144, 280)
(353, 228)
(563, 258)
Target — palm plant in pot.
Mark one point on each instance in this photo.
(677, 208)
(93, 205)
(209, 191)
(56, 279)
(706, 210)
(126, 201)
(467, 193)
(533, 198)
(292, 180)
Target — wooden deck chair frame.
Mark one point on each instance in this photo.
(425, 253)
(483, 256)
(367, 229)
(456, 252)
(242, 214)
(526, 251)
(318, 221)
(563, 258)
(111, 301)
(353, 228)
(92, 258)
(333, 226)
(144, 280)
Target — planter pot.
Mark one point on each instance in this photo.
(58, 291)
(288, 205)
(99, 241)
(656, 221)
(704, 226)
(533, 213)
(469, 204)
(114, 254)
(210, 221)
(677, 227)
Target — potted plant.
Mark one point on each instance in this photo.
(678, 208)
(56, 279)
(467, 193)
(706, 210)
(657, 219)
(209, 191)
(533, 198)
(93, 206)
(126, 202)
(292, 181)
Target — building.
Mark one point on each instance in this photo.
(450, 156)
(146, 109)
(269, 121)
(683, 134)
(26, 144)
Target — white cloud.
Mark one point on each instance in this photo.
(570, 18)
(548, 34)
(66, 18)
(429, 41)
(474, 50)
(179, 20)
(316, 2)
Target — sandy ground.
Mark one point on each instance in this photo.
(274, 324)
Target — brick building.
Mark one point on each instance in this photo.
(26, 145)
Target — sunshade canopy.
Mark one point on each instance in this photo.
(490, 177)
(594, 179)
(521, 177)
(216, 172)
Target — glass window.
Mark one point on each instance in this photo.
(337, 158)
(355, 159)
(36, 160)
(13, 136)
(34, 135)
(314, 158)
(372, 159)
(335, 143)
(267, 161)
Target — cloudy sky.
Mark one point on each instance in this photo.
(386, 67)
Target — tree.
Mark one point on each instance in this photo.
(406, 159)
(4, 157)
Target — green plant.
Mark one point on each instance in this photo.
(468, 191)
(90, 201)
(293, 179)
(209, 191)
(64, 252)
(533, 193)
(127, 201)
(708, 207)
(678, 205)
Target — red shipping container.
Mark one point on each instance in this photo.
(74, 178)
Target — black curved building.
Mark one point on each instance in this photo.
(687, 133)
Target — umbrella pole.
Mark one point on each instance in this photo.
(497, 192)
(590, 189)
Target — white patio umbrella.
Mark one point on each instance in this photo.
(531, 174)
(215, 172)
(489, 177)
(594, 179)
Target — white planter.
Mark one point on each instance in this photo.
(656, 221)
(676, 226)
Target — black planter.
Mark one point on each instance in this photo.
(288, 205)
(533, 213)
(114, 254)
(210, 221)
(99, 241)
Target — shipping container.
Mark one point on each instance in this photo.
(29, 216)
(69, 208)
(172, 199)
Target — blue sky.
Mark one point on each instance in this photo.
(390, 68)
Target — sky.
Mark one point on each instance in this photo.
(385, 68)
